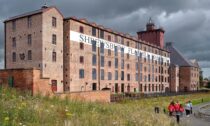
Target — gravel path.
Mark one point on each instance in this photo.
(195, 121)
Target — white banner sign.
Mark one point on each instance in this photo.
(86, 39)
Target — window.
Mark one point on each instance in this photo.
(54, 56)
(109, 38)
(29, 55)
(93, 46)
(81, 29)
(145, 88)
(116, 75)
(102, 48)
(122, 64)
(128, 43)
(94, 86)
(13, 42)
(116, 87)
(109, 76)
(102, 61)
(140, 77)
(102, 74)
(29, 39)
(136, 76)
(13, 25)
(115, 51)
(127, 56)
(14, 57)
(128, 77)
(122, 52)
(81, 73)
(145, 78)
(81, 59)
(140, 66)
(122, 75)
(54, 37)
(116, 63)
(116, 40)
(93, 31)
(122, 41)
(81, 46)
(54, 22)
(137, 67)
(122, 88)
(148, 77)
(94, 60)
(101, 34)
(128, 66)
(109, 63)
(94, 74)
(109, 52)
(29, 22)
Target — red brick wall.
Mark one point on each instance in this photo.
(92, 96)
(27, 79)
(155, 37)
(23, 79)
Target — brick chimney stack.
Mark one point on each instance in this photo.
(152, 34)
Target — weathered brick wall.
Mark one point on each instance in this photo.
(22, 78)
(27, 79)
(185, 76)
(41, 85)
(174, 78)
(92, 96)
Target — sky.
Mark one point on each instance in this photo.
(186, 22)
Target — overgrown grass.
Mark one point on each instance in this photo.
(21, 109)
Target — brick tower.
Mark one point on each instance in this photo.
(152, 34)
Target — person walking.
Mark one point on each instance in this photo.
(171, 108)
(187, 109)
(177, 110)
(191, 107)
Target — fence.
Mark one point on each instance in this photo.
(136, 96)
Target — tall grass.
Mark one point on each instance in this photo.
(21, 109)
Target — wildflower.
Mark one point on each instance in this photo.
(6, 118)
(68, 114)
(23, 104)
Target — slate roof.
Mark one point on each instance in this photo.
(177, 58)
(43, 9)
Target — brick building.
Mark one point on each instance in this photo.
(184, 73)
(35, 40)
(77, 55)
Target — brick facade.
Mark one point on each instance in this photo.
(33, 33)
(26, 79)
(158, 72)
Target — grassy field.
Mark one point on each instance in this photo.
(21, 109)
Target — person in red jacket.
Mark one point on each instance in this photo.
(181, 109)
(171, 108)
(177, 110)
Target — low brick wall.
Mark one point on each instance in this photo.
(30, 79)
(26, 79)
(92, 96)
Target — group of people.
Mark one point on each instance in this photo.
(177, 109)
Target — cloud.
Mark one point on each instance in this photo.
(186, 22)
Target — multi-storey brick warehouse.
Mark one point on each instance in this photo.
(80, 56)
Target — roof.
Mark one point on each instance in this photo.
(177, 57)
(128, 36)
(43, 9)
